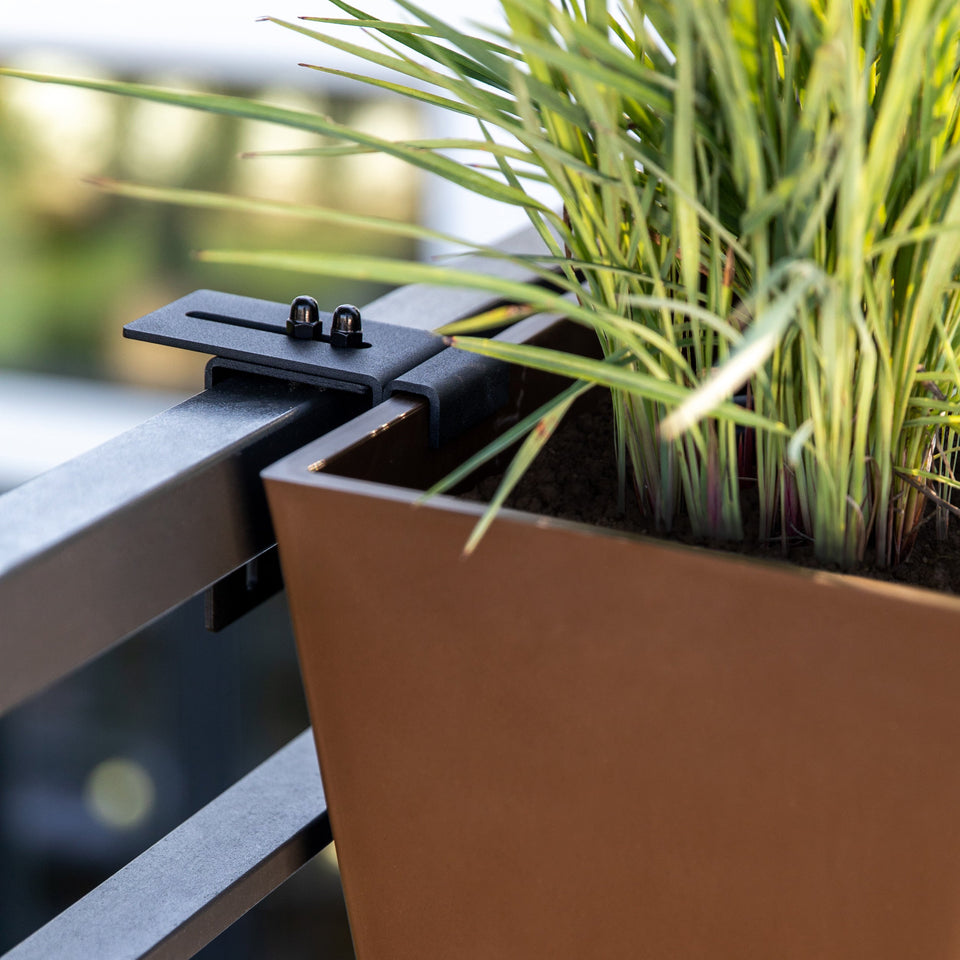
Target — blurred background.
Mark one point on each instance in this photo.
(98, 768)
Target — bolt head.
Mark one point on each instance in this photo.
(346, 329)
(304, 320)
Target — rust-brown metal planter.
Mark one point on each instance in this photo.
(579, 744)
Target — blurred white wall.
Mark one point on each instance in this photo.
(219, 39)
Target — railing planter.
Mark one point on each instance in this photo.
(547, 750)
(560, 748)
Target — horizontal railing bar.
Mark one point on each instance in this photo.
(189, 887)
(103, 544)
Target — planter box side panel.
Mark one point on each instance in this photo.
(573, 745)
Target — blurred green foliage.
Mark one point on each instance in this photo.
(75, 263)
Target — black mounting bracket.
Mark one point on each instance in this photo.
(287, 342)
(254, 331)
(252, 336)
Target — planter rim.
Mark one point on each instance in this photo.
(307, 467)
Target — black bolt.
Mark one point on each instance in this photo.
(304, 322)
(345, 331)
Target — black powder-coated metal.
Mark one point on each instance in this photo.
(191, 885)
(218, 369)
(236, 594)
(461, 388)
(122, 533)
(253, 336)
(95, 548)
(464, 388)
(255, 331)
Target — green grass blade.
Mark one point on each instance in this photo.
(504, 441)
(411, 93)
(464, 65)
(450, 170)
(611, 375)
(528, 451)
(758, 345)
(208, 200)
(431, 143)
(385, 270)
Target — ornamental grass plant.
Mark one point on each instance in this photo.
(758, 212)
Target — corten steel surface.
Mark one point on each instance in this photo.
(577, 744)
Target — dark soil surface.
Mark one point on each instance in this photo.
(575, 478)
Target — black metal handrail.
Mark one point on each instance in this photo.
(211, 870)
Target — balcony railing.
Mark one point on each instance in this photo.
(109, 541)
